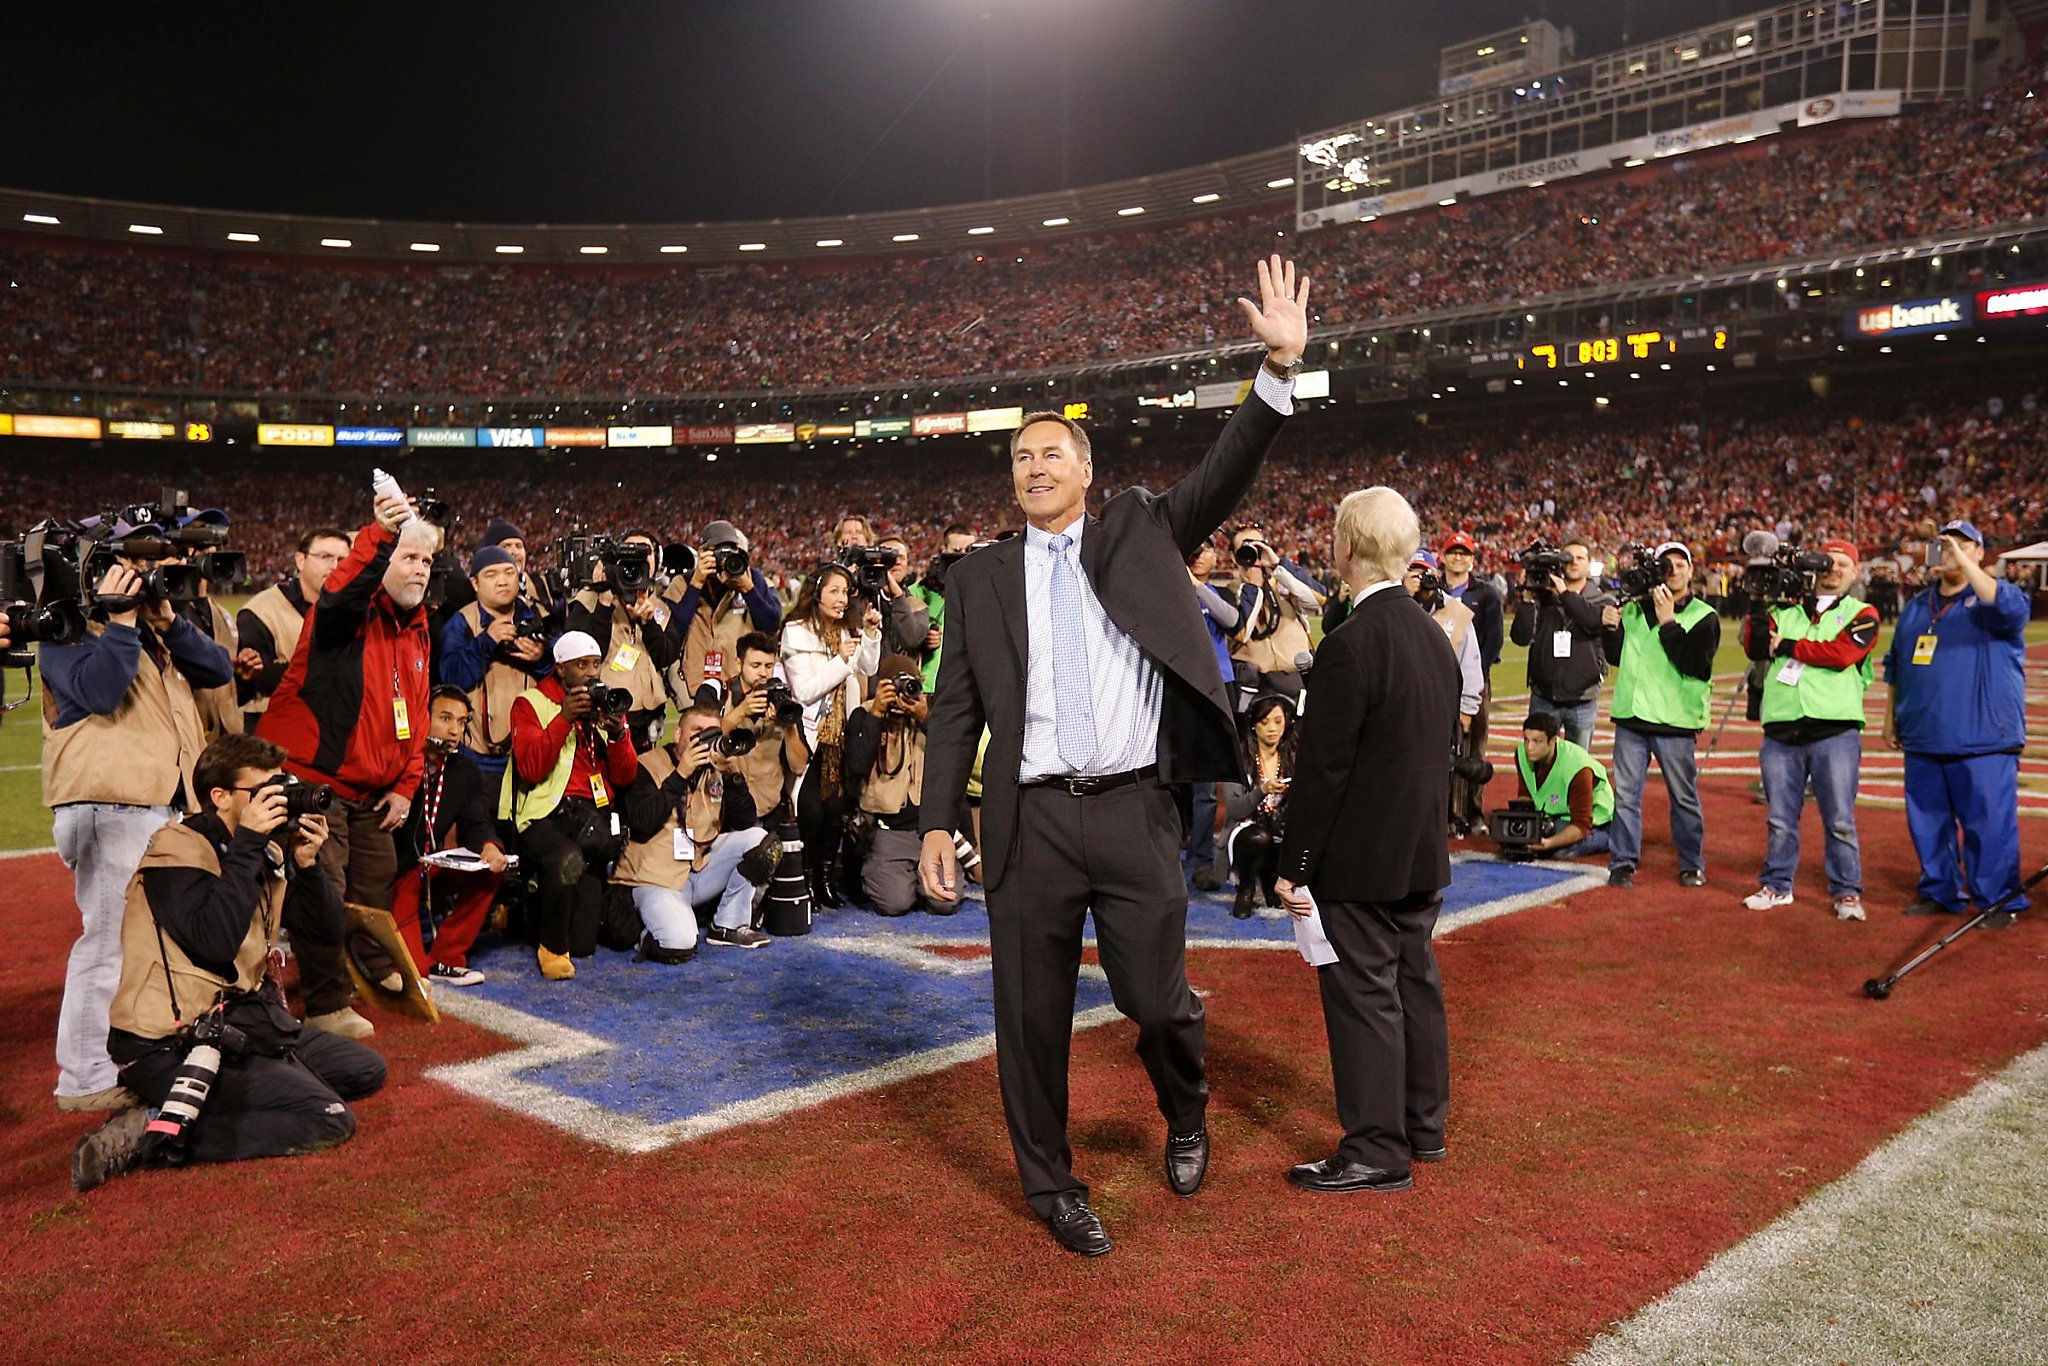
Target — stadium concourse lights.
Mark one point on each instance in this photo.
(1209, 198)
(424, 246)
(1282, 183)
(338, 243)
(674, 250)
(1055, 222)
(592, 251)
(243, 237)
(1131, 212)
(508, 249)
(44, 218)
(146, 229)
(980, 232)
(904, 237)
(753, 246)
(831, 242)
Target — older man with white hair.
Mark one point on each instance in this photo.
(1367, 846)
(351, 712)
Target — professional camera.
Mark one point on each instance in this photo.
(730, 561)
(30, 617)
(525, 627)
(788, 711)
(935, 572)
(1472, 768)
(1779, 576)
(207, 1040)
(870, 566)
(610, 701)
(56, 565)
(1643, 572)
(1540, 564)
(302, 799)
(629, 567)
(1518, 826)
(909, 687)
(432, 508)
(1249, 553)
(1427, 580)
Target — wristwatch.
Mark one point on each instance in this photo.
(1287, 371)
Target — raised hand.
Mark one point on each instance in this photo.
(1280, 317)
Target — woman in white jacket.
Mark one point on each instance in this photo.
(826, 665)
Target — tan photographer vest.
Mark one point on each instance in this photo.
(275, 611)
(626, 664)
(897, 779)
(717, 629)
(219, 713)
(490, 702)
(1456, 619)
(1275, 653)
(653, 862)
(141, 755)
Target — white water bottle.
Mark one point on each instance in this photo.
(382, 483)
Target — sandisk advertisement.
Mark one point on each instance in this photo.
(1907, 318)
(2013, 302)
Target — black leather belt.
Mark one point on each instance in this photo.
(1089, 786)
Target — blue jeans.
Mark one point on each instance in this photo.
(1980, 796)
(1595, 842)
(1577, 718)
(1202, 830)
(671, 916)
(1831, 765)
(1674, 754)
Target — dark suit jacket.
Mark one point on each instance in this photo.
(1135, 557)
(1367, 814)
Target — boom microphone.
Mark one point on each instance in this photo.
(1759, 545)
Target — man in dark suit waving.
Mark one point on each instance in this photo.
(1080, 648)
(1366, 836)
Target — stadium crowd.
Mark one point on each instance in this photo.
(154, 318)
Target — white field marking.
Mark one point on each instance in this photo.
(1800, 1244)
(27, 853)
(20, 768)
(497, 1078)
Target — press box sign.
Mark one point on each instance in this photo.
(1908, 318)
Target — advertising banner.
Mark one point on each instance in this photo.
(6, 424)
(764, 433)
(71, 428)
(369, 436)
(293, 434)
(616, 437)
(2012, 303)
(575, 436)
(1226, 393)
(882, 426)
(1312, 384)
(1849, 104)
(1184, 399)
(441, 436)
(526, 438)
(713, 435)
(1906, 319)
(823, 431)
(938, 424)
(141, 429)
(995, 419)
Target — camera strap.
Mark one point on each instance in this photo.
(164, 953)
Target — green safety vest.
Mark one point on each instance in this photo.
(1648, 687)
(935, 606)
(525, 805)
(1823, 694)
(1553, 798)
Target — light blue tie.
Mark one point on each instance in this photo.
(1074, 704)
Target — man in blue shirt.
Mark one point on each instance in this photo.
(1957, 673)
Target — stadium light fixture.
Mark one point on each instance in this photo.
(753, 246)
(980, 232)
(1633, 161)
(338, 243)
(1368, 218)
(1209, 198)
(1446, 203)
(40, 218)
(146, 229)
(424, 246)
(674, 250)
(1536, 184)
(1282, 183)
(1131, 212)
(904, 237)
(592, 251)
(831, 241)
(243, 237)
(507, 249)
(1055, 222)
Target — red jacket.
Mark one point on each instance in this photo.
(335, 710)
(536, 749)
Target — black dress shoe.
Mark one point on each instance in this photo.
(1077, 1227)
(1436, 1154)
(1998, 920)
(1241, 906)
(1928, 906)
(1187, 1161)
(1623, 875)
(1334, 1174)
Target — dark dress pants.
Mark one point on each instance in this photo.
(572, 857)
(1116, 853)
(361, 861)
(269, 1107)
(1383, 1004)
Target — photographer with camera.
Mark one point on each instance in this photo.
(763, 706)
(1219, 616)
(198, 1021)
(1458, 557)
(491, 651)
(1275, 599)
(1815, 656)
(1957, 669)
(1567, 790)
(885, 746)
(121, 734)
(1662, 645)
(826, 663)
(571, 754)
(694, 836)
(852, 532)
(726, 597)
(269, 624)
(220, 710)
(1425, 584)
(625, 614)
(905, 622)
(1558, 616)
(453, 810)
(930, 589)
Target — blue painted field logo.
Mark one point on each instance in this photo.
(637, 1057)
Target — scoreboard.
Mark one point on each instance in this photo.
(1597, 353)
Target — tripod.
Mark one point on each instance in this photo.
(1877, 989)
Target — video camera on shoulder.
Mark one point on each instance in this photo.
(49, 576)
(870, 566)
(1642, 573)
(1542, 562)
(629, 567)
(1775, 576)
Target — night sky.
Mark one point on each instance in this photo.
(609, 111)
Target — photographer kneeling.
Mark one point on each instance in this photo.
(885, 756)
(570, 754)
(198, 940)
(1257, 816)
(1567, 786)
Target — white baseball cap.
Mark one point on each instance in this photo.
(1672, 547)
(576, 645)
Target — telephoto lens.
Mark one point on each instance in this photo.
(1246, 554)
(909, 687)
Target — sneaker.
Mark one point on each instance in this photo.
(1621, 875)
(1998, 920)
(448, 975)
(1696, 877)
(1849, 908)
(556, 967)
(744, 937)
(392, 981)
(1765, 899)
(344, 1022)
(98, 1102)
(109, 1151)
